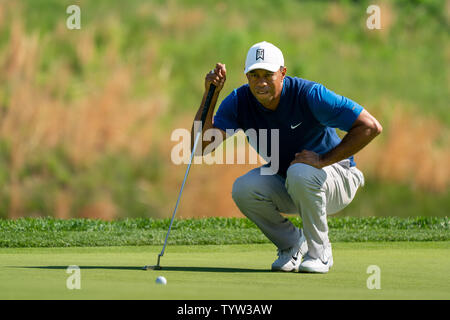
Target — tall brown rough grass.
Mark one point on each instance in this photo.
(105, 119)
(414, 150)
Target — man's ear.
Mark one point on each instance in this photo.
(283, 71)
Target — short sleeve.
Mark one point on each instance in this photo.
(331, 109)
(226, 115)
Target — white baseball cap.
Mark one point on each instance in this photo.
(264, 55)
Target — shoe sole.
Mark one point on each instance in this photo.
(281, 270)
(308, 270)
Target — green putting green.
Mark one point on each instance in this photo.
(407, 270)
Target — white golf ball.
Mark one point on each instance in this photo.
(161, 280)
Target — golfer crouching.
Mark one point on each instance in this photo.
(316, 174)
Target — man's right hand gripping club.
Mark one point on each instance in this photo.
(217, 77)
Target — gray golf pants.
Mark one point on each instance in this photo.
(311, 192)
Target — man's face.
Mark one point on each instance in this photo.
(266, 86)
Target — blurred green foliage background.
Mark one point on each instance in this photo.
(86, 115)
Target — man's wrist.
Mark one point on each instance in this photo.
(324, 160)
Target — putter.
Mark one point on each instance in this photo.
(203, 118)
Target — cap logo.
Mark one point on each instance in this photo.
(259, 54)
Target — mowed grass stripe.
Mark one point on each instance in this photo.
(50, 232)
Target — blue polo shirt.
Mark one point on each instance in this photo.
(305, 117)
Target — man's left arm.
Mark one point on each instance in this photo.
(332, 108)
(365, 128)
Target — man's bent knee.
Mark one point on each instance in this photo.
(240, 189)
(300, 175)
(251, 186)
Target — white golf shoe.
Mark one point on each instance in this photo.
(313, 265)
(290, 259)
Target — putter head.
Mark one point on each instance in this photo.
(155, 267)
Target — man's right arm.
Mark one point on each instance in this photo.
(218, 78)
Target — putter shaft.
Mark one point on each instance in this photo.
(179, 196)
(197, 137)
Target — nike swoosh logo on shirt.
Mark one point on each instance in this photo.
(293, 127)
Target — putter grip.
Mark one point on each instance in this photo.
(207, 103)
